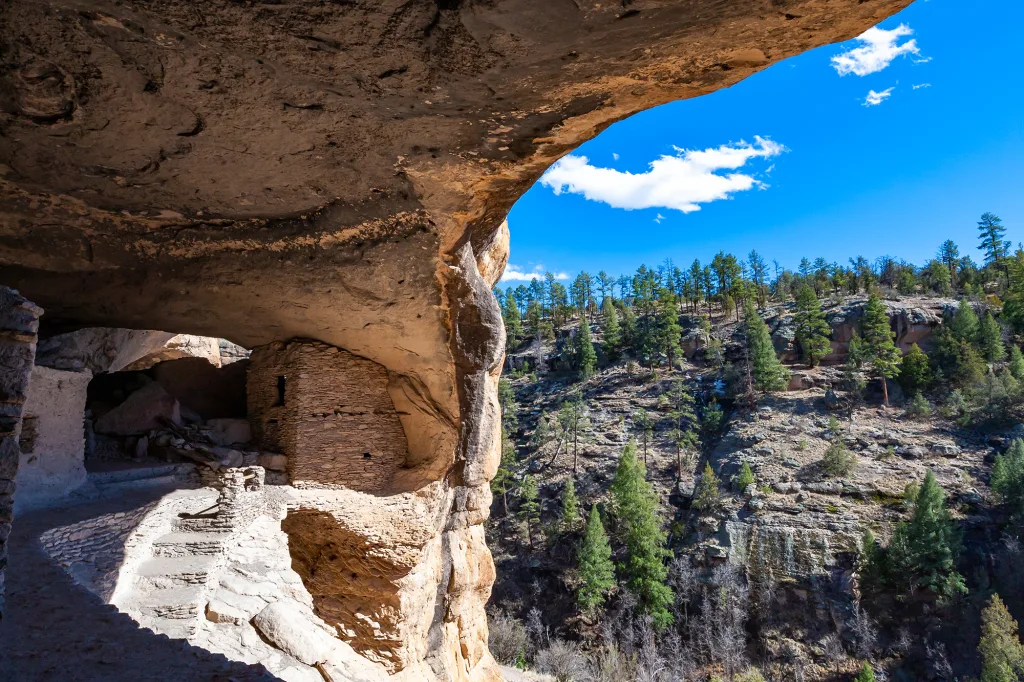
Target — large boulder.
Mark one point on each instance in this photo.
(288, 627)
(147, 409)
(226, 431)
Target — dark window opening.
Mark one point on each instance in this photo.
(367, 455)
(29, 432)
(280, 391)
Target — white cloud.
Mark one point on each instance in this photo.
(878, 48)
(615, 156)
(922, 85)
(514, 273)
(924, 60)
(681, 182)
(658, 218)
(875, 98)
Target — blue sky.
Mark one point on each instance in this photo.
(800, 160)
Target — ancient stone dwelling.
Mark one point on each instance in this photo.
(329, 411)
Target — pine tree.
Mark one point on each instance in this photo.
(990, 339)
(610, 329)
(706, 496)
(513, 320)
(881, 354)
(990, 238)
(1002, 655)
(872, 562)
(596, 570)
(866, 674)
(645, 425)
(924, 550)
(636, 507)
(1016, 364)
(949, 254)
(684, 423)
(586, 358)
(745, 479)
(669, 332)
(503, 476)
(569, 519)
(812, 331)
(574, 420)
(529, 507)
(767, 372)
(915, 371)
(965, 324)
(1007, 480)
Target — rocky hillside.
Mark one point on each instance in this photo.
(795, 534)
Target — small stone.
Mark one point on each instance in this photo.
(219, 612)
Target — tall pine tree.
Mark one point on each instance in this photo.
(991, 242)
(610, 329)
(990, 339)
(812, 331)
(529, 507)
(570, 515)
(924, 550)
(669, 332)
(586, 358)
(881, 355)
(596, 570)
(636, 508)
(1007, 480)
(1002, 656)
(766, 371)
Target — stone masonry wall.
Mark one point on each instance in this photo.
(19, 324)
(336, 422)
(53, 458)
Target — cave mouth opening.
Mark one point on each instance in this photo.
(105, 406)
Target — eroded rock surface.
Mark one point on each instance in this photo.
(342, 172)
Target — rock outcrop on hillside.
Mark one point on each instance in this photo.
(913, 320)
(340, 172)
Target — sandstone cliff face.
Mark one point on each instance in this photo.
(341, 172)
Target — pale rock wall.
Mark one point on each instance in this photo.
(112, 349)
(53, 456)
(19, 324)
(336, 422)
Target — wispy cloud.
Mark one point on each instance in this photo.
(615, 156)
(922, 85)
(514, 273)
(682, 182)
(658, 218)
(875, 98)
(923, 60)
(877, 50)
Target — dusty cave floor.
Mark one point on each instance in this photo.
(57, 631)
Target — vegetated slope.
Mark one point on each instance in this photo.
(774, 572)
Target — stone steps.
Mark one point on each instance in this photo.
(187, 543)
(176, 604)
(171, 587)
(172, 572)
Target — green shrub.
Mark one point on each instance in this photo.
(838, 461)
(918, 407)
(745, 478)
